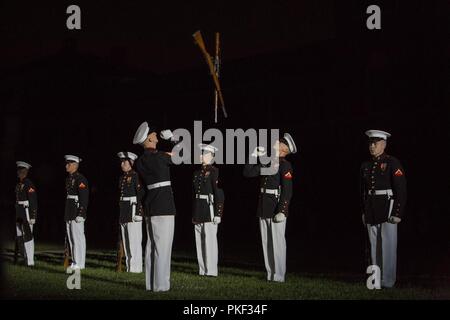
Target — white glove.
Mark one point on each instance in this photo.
(394, 220)
(166, 135)
(258, 152)
(79, 219)
(137, 218)
(217, 220)
(363, 219)
(32, 221)
(279, 217)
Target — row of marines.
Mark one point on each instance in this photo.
(146, 197)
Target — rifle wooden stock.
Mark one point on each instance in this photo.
(217, 70)
(16, 250)
(66, 254)
(217, 45)
(120, 253)
(198, 39)
(66, 259)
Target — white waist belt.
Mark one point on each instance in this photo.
(26, 204)
(158, 185)
(270, 191)
(202, 196)
(133, 203)
(131, 199)
(74, 197)
(381, 192)
(210, 199)
(387, 192)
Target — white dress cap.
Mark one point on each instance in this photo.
(23, 164)
(378, 134)
(290, 141)
(127, 155)
(207, 147)
(141, 133)
(70, 157)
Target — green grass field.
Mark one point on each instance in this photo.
(47, 280)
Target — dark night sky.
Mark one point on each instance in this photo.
(307, 67)
(158, 36)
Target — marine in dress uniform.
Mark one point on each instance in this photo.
(273, 207)
(77, 198)
(383, 199)
(153, 167)
(131, 212)
(26, 212)
(207, 210)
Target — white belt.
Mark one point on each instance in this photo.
(210, 199)
(387, 192)
(25, 204)
(158, 185)
(131, 199)
(74, 197)
(202, 196)
(133, 203)
(275, 192)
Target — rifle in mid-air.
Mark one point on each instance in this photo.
(213, 68)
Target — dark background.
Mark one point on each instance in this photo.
(310, 68)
